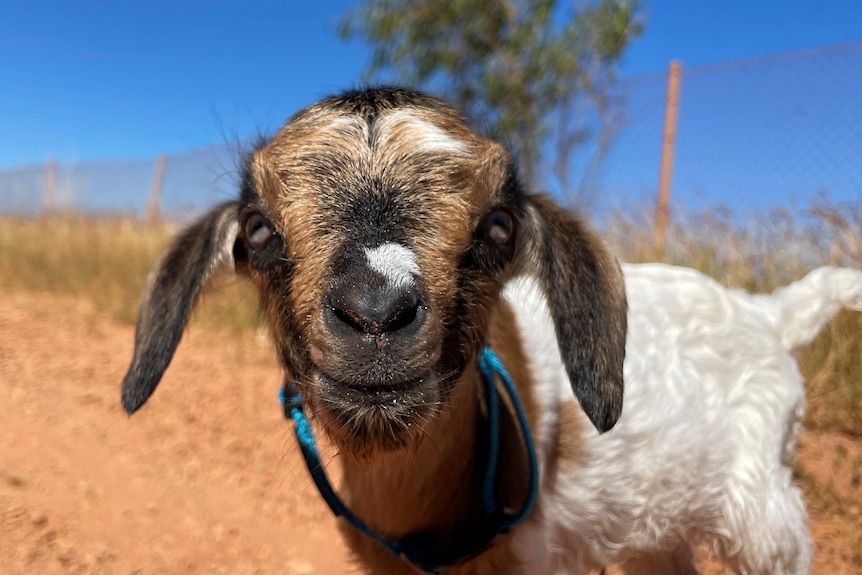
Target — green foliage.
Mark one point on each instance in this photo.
(516, 65)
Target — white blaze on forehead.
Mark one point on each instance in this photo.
(395, 262)
(347, 125)
(423, 134)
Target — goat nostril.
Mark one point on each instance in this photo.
(376, 316)
(350, 318)
(403, 317)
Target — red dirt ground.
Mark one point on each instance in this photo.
(206, 478)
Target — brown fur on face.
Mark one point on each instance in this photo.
(411, 165)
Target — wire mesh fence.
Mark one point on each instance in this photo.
(785, 127)
(753, 134)
(191, 181)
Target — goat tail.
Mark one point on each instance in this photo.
(803, 308)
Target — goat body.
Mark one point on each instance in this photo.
(706, 441)
(389, 243)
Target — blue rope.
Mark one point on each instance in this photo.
(490, 365)
(423, 559)
(305, 437)
(489, 491)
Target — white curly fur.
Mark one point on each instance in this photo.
(705, 444)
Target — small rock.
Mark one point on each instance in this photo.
(15, 480)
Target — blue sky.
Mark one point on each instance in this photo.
(86, 80)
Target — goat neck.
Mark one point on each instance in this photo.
(435, 489)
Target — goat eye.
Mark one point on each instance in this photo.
(498, 226)
(258, 230)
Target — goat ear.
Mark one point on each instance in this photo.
(586, 296)
(172, 289)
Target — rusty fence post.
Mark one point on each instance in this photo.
(50, 189)
(668, 147)
(156, 190)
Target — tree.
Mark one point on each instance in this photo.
(529, 70)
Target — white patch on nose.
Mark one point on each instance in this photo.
(395, 262)
(425, 135)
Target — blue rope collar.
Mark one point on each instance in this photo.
(498, 520)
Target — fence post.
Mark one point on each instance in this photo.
(668, 147)
(50, 186)
(156, 190)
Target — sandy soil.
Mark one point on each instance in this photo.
(206, 478)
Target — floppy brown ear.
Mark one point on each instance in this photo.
(172, 289)
(587, 300)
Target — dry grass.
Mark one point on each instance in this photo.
(105, 261)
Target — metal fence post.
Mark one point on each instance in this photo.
(156, 189)
(667, 150)
(48, 193)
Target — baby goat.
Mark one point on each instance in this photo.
(391, 246)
